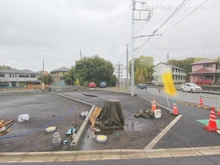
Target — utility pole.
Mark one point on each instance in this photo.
(140, 18)
(80, 53)
(167, 58)
(132, 49)
(118, 75)
(126, 66)
(43, 73)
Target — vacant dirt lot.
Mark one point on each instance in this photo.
(43, 109)
(137, 133)
(46, 108)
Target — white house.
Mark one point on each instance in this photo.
(179, 74)
(14, 77)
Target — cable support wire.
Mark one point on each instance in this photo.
(174, 13)
(177, 23)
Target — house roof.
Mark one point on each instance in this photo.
(62, 69)
(202, 71)
(15, 71)
(173, 66)
(204, 62)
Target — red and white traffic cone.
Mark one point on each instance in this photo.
(212, 126)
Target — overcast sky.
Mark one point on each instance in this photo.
(54, 30)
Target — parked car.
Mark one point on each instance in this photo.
(102, 84)
(203, 82)
(91, 85)
(190, 87)
(142, 86)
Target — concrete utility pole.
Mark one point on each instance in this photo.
(43, 73)
(167, 58)
(126, 66)
(140, 18)
(132, 49)
(80, 53)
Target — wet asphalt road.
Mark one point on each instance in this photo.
(187, 132)
(199, 160)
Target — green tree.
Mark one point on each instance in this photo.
(5, 67)
(48, 79)
(143, 69)
(94, 69)
(69, 77)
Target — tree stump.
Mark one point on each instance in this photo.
(111, 116)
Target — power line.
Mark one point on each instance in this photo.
(174, 13)
(178, 23)
(186, 16)
(153, 12)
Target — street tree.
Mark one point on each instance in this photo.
(143, 69)
(93, 69)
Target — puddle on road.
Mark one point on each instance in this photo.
(133, 125)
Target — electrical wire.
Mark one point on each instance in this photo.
(174, 13)
(178, 23)
(153, 12)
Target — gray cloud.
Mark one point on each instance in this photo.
(53, 31)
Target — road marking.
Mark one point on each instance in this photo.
(162, 133)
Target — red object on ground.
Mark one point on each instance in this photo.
(212, 126)
(154, 107)
(175, 110)
(200, 101)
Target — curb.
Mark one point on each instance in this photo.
(74, 145)
(120, 154)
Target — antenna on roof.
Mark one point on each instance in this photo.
(80, 52)
(167, 58)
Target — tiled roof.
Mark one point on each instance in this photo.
(204, 62)
(15, 71)
(62, 69)
(202, 70)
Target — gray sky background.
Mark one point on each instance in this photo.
(53, 30)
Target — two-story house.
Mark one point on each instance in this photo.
(16, 77)
(179, 74)
(204, 70)
(58, 73)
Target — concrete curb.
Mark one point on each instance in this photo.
(74, 145)
(70, 156)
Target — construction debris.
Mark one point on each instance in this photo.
(5, 127)
(23, 117)
(144, 113)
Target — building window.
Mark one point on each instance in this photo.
(207, 65)
(23, 75)
(32, 76)
(2, 75)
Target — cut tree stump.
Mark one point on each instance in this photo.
(111, 116)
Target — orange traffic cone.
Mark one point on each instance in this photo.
(218, 111)
(200, 101)
(154, 107)
(175, 110)
(212, 127)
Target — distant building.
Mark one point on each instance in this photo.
(58, 73)
(204, 70)
(40, 73)
(15, 77)
(179, 74)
